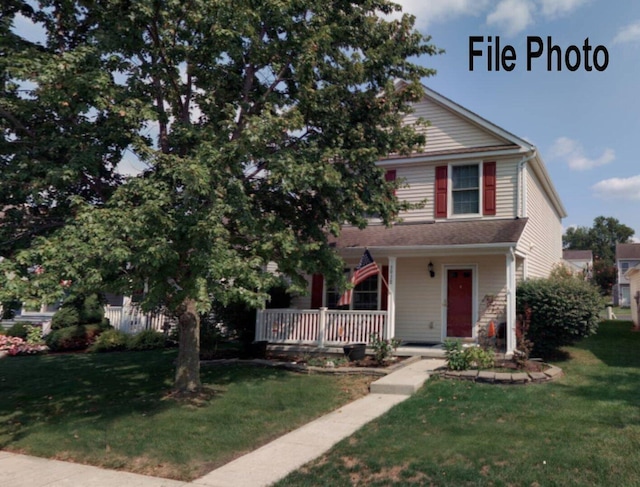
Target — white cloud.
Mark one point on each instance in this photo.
(573, 152)
(628, 34)
(512, 15)
(618, 188)
(428, 12)
(558, 8)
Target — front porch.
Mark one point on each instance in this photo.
(327, 331)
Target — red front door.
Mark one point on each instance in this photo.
(459, 303)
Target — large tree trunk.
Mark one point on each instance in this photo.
(188, 364)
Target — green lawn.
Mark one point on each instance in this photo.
(583, 429)
(112, 410)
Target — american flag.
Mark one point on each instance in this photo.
(366, 268)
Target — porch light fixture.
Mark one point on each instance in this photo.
(432, 273)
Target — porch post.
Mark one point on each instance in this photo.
(511, 303)
(391, 299)
(322, 324)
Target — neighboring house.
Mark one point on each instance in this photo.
(492, 218)
(633, 276)
(627, 257)
(579, 262)
(123, 313)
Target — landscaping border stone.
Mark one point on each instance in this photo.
(505, 378)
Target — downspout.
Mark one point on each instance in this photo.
(521, 211)
(511, 344)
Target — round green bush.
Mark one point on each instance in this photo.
(19, 330)
(559, 312)
(72, 337)
(147, 340)
(110, 341)
(65, 317)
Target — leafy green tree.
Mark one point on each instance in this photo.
(65, 121)
(601, 238)
(263, 122)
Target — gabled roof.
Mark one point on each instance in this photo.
(503, 142)
(451, 233)
(628, 251)
(577, 255)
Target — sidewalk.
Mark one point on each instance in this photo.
(261, 467)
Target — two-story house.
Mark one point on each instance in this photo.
(492, 217)
(627, 257)
(579, 262)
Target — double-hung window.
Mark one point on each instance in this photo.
(365, 295)
(465, 189)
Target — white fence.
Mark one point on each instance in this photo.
(130, 319)
(320, 327)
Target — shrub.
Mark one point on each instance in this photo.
(78, 309)
(70, 338)
(479, 358)
(19, 330)
(561, 311)
(111, 341)
(146, 340)
(454, 354)
(383, 349)
(65, 317)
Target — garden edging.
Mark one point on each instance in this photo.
(549, 374)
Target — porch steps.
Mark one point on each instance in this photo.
(408, 379)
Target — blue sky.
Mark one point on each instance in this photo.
(586, 125)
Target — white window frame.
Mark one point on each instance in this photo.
(450, 191)
(351, 270)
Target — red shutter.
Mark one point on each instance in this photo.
(441, 192)
(384, 291)
(390, 175)
(489, 188)
(317, 288)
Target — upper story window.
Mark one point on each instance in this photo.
(624, 266)
(465, 189)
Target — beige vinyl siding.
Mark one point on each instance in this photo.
(419, 181)
(419, 298)
(447, 130)
(542, 237)
(506, 188)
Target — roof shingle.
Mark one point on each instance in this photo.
(433, 234)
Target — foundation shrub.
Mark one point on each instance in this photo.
(71, 338)
(147, 340)
(561, 310)
(111, 341)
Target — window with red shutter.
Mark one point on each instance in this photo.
(489, 188)
(317, 286)
(441, 192)
(390, 175)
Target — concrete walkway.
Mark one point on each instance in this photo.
(261, 467)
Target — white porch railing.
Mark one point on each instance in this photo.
(130, 319)
(320, 327)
